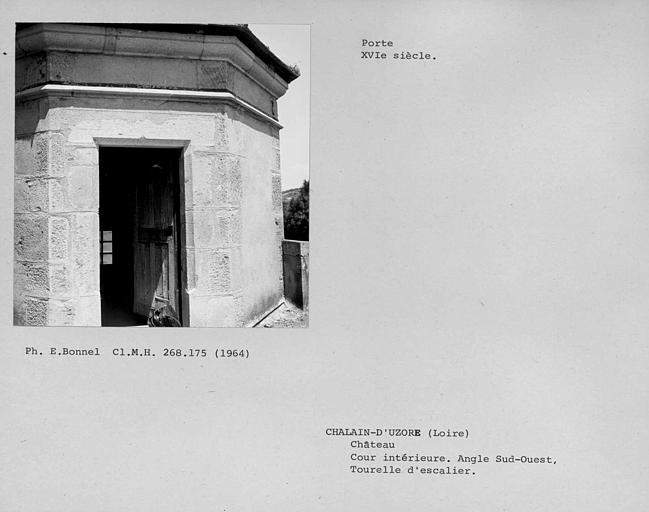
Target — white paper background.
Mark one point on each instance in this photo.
(479, 259)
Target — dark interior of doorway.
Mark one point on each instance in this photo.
(120, 171)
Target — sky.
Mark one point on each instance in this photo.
(291, 44)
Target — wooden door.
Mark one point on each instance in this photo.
(155, 266)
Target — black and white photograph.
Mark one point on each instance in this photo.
(410, 242)
(148, 175)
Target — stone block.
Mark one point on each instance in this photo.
(202, 168)
(202, 225)
(218, 181)
(252, 127)
(216, 76)
(58, 191)
(56, 150)
(225, 182)
(61, 312)
(48, 154)
(240, 131)
(31, 195)
(230, 132)
(28, 118)
(36, 312)
(279, 228)
(59, 238)
(31, 70)
(199, 128)
(85, 252)
(190, 267)
(219, 272)
(201, 231)
(215, 179)
(236, 269)
(275, 167)
(30, 236)
(61, 115)
(31, 278)
(233, 175)
(121, 70)
(60, 280)
(62, 66)
(213, 228)
(213, 272)
(39, 154)
(82, 155)
(19, 294)
(19, 309)
(83, 187)
(222, 132)
(88, 311)
(249, 91)
(276, 184)
(235, 227)
(237, 310)
(25, 157)
(119, 122)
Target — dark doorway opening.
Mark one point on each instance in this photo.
(139, 233)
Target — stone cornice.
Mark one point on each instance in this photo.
(170, 94)
(107, 40)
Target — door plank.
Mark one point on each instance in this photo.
(155, 275)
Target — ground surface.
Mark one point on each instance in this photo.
(286, 315)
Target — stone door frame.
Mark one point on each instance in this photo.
(145, 143)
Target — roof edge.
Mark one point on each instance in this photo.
(240, 31)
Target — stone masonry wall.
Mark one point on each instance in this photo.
(56, 264)
(232, 205)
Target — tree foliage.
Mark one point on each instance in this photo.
(296, 215)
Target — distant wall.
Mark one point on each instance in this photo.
(296, 272)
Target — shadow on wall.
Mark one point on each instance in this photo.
(296, 272)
